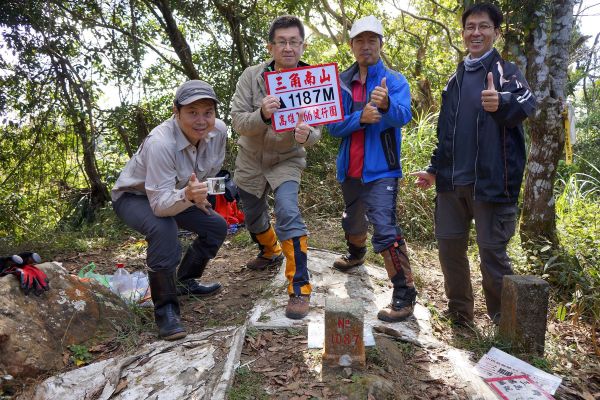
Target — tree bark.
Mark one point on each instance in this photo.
(547, 62)
(230, 12)
(178, 41)
(78, 107)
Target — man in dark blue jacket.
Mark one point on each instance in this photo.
(376, 104)
(478, 164)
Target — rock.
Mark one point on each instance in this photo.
(35, 331)
(200, 366)
(380, 388)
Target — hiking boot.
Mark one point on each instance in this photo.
(456, 319)
(192, 287)
(297, 306)
(192, 267)
(347, 262)
(270, 251)
(260, 263)
(166, 305)
(357, 250)
(393, 314)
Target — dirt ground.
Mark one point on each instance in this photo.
(277, 364)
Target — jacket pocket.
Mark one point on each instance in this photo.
(389, 146)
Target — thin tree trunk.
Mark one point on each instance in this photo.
(178, 42)
(98, 191)
(547, 74)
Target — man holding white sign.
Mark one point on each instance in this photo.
(269, 160)
(376, 104)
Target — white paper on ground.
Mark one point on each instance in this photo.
(316, 335)
(497, 363)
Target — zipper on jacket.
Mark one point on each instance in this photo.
(477, 133)
(364, 88)
(454, 130)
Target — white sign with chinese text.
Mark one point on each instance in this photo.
(518, 388)
(497, 363)
(308, 94)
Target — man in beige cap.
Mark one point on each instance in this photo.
(161, 188)
(376, 104)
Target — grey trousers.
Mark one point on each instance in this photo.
(164, 249)
(494, 225)
(373, 202)
(288, 221)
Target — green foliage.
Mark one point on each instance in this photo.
(573, 269)
(80, 354)
(415, 206)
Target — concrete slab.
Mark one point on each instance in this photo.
(368, 283)
(200, 366)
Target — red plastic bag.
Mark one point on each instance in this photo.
(229, 210)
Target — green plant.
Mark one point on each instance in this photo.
(80, 354)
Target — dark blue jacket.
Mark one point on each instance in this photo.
(383, 139)
(500, 158)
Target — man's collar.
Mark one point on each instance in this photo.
(180, 140)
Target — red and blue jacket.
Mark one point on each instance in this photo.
(382, 140)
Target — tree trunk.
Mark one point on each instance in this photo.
(78, 107)
(547, 74)
(178, 42)
(235, 21)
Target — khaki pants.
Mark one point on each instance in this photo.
(494, 225)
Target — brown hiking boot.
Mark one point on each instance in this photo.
(393, 314)
(457, 319)
(297, 306)
(261, 263)
(357, 250)
(347, 262)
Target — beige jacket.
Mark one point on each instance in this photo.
(264, 156)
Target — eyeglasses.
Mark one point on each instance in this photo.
(283, 43)
(482, 27)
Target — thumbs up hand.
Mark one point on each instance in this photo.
(490, 99)
(197, 192)
(370, 114)
(302, 130)
(379, 96)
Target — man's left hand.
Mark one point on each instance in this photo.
(379, 96)
(489, 97)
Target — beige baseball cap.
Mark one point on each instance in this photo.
(366, 24)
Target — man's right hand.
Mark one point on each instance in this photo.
(370, 115)
(270, 104)
(424, 179)
(197, 192)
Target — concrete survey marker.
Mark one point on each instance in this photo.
(344, 344)
(524, 311)
(368, 284)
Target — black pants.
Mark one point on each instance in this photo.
(164, 249)
(494, 225)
